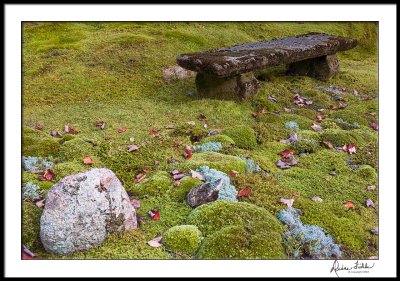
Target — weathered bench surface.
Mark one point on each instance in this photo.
(231, 61)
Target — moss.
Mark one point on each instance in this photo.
(153, 184)
(225, 140)
(35, 143)
(340, 137)
(183, 239)
(243, 136)
(367, 154)
(305, 145)
(195, 132)
(44, 185)
(31, 226)
(367, 172)
(357, 112)
(178, 194)
(329, 124)
(68, 168)
(267, 156)
(215, 160)
(237, 230)
(76, 149)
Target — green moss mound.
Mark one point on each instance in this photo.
(248, 230)
(223, 139)
(154, 184)
(36, 143)
(243, 136)
(305, 145)
(215, 160)
(179, 193)
(77, 149)
(340, 137)
(68, 168)
(183, 239)
(31, 226)
(44, 185)
(367, 172)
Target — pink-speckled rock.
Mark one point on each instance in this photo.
(82, 209)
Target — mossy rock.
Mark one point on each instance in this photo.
(77, 149)
(248, 230)
(153, 184)
(366, 172)
(68, 168)
(305, 145)
(183, 239)
(243, 136)
(223, 139)
(179, 193)
(36, 143)
(215, 160)
(31, 225)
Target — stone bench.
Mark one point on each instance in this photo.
(228, 72)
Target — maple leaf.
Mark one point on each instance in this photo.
(374, 126)
(350, 148)
(38, 127)
(139, 177)
(135, 203)
(197, 175)
(286, 153)
(69, 130)
(316, 127)
(320, 117)
(202, 117)
(369, 203)
(316, 199)
(132, 147)
(288, 202)
(290, 160)
(100, 124)
(245, 192)
(154, 133)
(349, 205)
(282, 164)
(155, 215)
(87, 160)
(56, 134)
(48, 175)
(156, 242)
(233, 173)
(327, 144)
(187, 154)
(121, 130)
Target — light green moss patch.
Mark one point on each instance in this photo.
(223, 139)
(243, 136)
(178, 193)
(31, 226)
(305, 145)
(367, 172)
(76, 149)
(44, 185)
(154, 184)
(182, 239)
(37, 143)
(69, 168)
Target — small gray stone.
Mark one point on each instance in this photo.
(204, 193)
(82, 209)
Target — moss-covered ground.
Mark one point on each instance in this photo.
(80, 73)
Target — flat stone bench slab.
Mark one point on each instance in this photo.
(309, 54)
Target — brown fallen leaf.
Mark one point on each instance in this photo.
(121, 130)
(156, 242)
(87, 160)
(69, 130)
(296, 194)
(326, 144)
(48, 175)
(132, 147)
(374, 126)
(177, 183)
(55, 134)
(369, 203)
(316, 127)
(100, 124)
(38, 127)
(197, 175)
(37, 172)
(202, 117)
(286, 153)
(316, 199)
(233, 173)
(156, 163)
(245, 192)
(349, 205)
(288, 202)
(139, 177)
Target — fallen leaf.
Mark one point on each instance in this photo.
(87, 160)
(282, 164)
(350, 148)
(272, 98)
(48, 175)
(374, 126)
(320, 109)
(308, 102)
(132, 139)
(121, 130)
(327, 144)
(178, 176)
(155, 215)
(349, 205)
(37, 172)
(38, 127)
(288, 202)
(374, 230)
(373, 258)
(135, 203)
(332, 173)
(296, 194)
(174, 172)
(177, 144)
(290, 159)
(342, 105)
(56, 134)
(233, 173)
(69, 130)
(26, 253)
(245, 192)
(170, 126)
(202, 117)
(255, 114)
(316, 199)
(156, 242)
(316, 127)
(369, 203)
(197, 175)
(139, 177)
(154, 133)
(40, 203)
(157, 163)
(287, 109)
(320, 117)
(371, 187)
(187, 154)
(292, 137)
(286, 153)
(177, 183)
(192, 123)
(132, 147)
(146, 170)
(100, 124)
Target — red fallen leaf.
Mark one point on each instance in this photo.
(320, 117)
(202, 117)
(121, 130)
(132, 147)
(154, 133)
(290, 160)
(56, 134)
(288, 202)
(26, 253)
(48, 175)
(349, 205)
(286, 153)
(369, 203)
(155, 215)
(87, 160)
(38, 127)
(187, 154)
(316, 127)
(156, 242)
(145, 170)
(327, 144)
(374, 126)
(100, 124)
(178, 144)
(139, 177)
(233, 173)
(245, 192)
(69, 130)
(197, 175)
(177, 183)
(350, 148)
(135, 203)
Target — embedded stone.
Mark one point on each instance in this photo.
(204, 193)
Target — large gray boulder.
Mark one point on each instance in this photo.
(82, 209)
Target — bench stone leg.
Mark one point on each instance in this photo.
(242, 86)
(322, 68)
